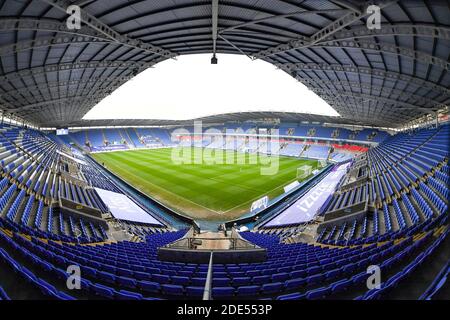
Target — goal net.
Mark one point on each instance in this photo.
(304, 172)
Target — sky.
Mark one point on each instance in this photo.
(190, 87)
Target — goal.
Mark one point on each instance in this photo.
(304, 171)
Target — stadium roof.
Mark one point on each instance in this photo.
(238, 117)
(51, 75)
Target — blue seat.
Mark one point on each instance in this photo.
(64, 296)
(172, 289)
(319, 293)
(360, 277)
(28, 275)
(185, 273)
(128, 295)
(161, 278)
(222, 292)
(332, 274)
(103, 291)
(45, 266)
(192, 291)
(261, 279)
(253, 273)
(311, 280)
(127, 282)
(85, 284)
(198, 281)
(107, 277)
(292, 296)
(3, 295)
(46, 288)
(242, 281)
(248, 290)
(125, 273)
(271, 288)
(313, 270)
(61, 274)
(298, 274)
(149, 286)
(280, 277)
(341, 285)
(220, 274)
(139, 275)
(180, 280)
(221, 282)
(294, 284)
(109, 269)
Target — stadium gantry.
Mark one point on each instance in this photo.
(375, 194)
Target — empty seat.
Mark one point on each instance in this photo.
(171, 289)
(127, 295)
(127, 282)
(103, 291)
(223, 292)
(180, 280)
(248, 290)
(291, 296)
(149, 286)
(319, 293)
(294, 284)
(272, 288)
(192, 291)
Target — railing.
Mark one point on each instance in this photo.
(208, 284)
(195, 242)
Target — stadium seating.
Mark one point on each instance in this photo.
(158, 137)
(405, 184)
(404, 190)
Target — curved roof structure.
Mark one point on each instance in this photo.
(52, 74)
(238, 117)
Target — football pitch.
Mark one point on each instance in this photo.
(214, 192)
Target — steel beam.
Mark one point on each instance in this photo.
(380, 73)
(388, 48)
(110, 33)
(325, 32)
(423, 30)
(43, 24)
(402, 105)
(36, 71)
(50, 41)
(386, 90)
(281, 16)
(30, 91)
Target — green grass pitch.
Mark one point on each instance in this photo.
(215, 192)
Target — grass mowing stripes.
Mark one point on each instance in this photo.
(214, 192)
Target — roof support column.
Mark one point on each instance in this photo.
(215, 18)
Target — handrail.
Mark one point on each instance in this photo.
(188, 243)
(208, 283)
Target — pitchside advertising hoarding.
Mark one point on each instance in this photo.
(123, 208)
(291, 186)
(260, 204)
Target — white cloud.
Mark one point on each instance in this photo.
(190, 87)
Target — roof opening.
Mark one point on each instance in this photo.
(190, 87)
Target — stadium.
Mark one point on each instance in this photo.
(240, 205)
